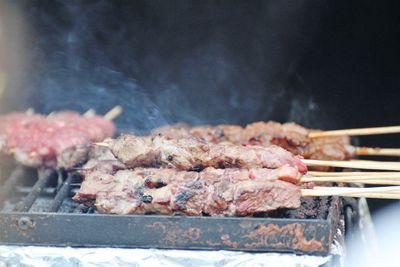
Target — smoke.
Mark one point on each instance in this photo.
(202, 62)
(14, 68)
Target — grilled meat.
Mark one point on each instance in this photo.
(101, 159)
(38, 140)
(289, 136)
(294, 138)
(212, 134)
(229, 192)
(195, 154)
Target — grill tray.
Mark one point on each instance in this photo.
(34, 210)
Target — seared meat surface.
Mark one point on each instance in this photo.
(227, 192)
(211, 134)
(101, 159)
(289, 136)
(196, 154)
(294, 138)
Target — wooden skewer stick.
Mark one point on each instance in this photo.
(375, 161)
(356, 132)
(113, 113)
(372, 182)
(30, 111)
(367, 177)
(330, 174)
(3, 82)
(101, 144)
(378, 189)
(389, 192)
(354, 173)
(371, 151)
(316, 193)
(377, 180)
(372, 165)
(89, 113)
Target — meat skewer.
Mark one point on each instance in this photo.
(37, 140)
(227, 192)
(114, 189)
(290, 136)
(194, 154)
(216, 192)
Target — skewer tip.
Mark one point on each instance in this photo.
(89, 113)
(30, 111)
(103, 144)
(113, 113)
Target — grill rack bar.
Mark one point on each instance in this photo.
(62, 194)
(85, 227)
(44, 177)
(11, 183)
(167, 232)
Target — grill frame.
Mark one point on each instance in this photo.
(256, 234)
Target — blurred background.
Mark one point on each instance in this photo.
(323, 64)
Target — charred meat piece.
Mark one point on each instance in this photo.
(223, 192)
(38, 140)
(192, 153)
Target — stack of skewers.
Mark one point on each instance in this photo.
(321, 150)
(141, 170)
(386, 175)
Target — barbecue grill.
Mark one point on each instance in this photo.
(37, 209)
(209, 62)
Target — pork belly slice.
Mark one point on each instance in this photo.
(195, 154)
(217, 192)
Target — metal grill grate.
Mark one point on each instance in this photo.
(37, 209)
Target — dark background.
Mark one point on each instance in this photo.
(324, 64)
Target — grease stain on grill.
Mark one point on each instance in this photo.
(156, 226)
(226, 239)
(192, 233)
(290, 235)
(173, 235)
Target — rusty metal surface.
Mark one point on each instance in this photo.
(248, 234)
